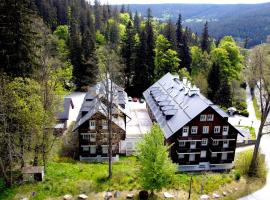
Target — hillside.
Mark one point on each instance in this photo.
(240, 21)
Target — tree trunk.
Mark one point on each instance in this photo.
(253, 164)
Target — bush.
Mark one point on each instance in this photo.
(244, 113)
(237, 176)
(2, 185)
(241, 106)
(243, 162)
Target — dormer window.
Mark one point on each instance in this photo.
(203, 118)
(92, 125)
(210, 117)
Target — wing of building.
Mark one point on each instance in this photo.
(92, 122)
(199, 131)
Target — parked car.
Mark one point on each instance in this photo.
(135, 99)
(141, 100)
(129, 98)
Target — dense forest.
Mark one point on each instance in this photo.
(50, 48)
(239, 20)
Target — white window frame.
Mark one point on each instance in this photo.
(93, 149)
(181, 156)
(93, 137)
(104, 124)
(224, 156)
(92, 124)
(193, 145)
(210, 117)
(213, 154)
(204, 129)
(203, 154)
(194, 129)
(105, 147)
(182, 143)
(204, 141)
(215, 142)
(217, 129)
(203, 118)
(185, 131)
(85, 136)
(227, 130)
(85, 148)
(192, 157)
(225, 143)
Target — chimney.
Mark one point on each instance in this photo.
(185, 81)
(193, 91)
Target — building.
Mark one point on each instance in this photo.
(92, 123)
(199, 131)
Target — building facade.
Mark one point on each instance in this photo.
(92, 123)
(198, 131)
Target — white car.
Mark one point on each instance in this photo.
(129, 98)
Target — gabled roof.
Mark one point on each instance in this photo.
(92, 104)
(174, 103)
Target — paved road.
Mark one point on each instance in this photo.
(264, 193)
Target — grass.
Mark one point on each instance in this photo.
(66, 176)
(256, 108)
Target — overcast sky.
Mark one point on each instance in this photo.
(182, 1)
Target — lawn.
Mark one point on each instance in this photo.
(256, 108)
(65, 177)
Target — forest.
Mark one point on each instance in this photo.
(50, 48)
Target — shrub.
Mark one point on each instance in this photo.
(244, 113)
(2, 185)
(243, 162)
(237, 176)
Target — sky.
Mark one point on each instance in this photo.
(183, 1)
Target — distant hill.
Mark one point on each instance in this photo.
(240, 21)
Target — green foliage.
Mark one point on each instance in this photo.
(124, 18)
(243, 162)
(237, 176)
(256, 108)
(100, 38)
(156, 168)
(62, 32)
(166, 59)
(201, 62)
(183, 72)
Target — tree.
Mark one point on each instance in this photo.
(166, 59)
(170, 33)
(127, 52)
(213, 81)
(261, 74)
(201, 62)
(205, 43)
(137, 22)
(156, 168)
(17, 39)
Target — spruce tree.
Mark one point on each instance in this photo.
(127, 51)
(205, 43)
(170, 33)
(213, 81)
(17, 38)
(137, 22)
(98, 15)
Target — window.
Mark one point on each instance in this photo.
(225, 130)
(191, 157)
(193, 145)
(104, 149)
(204, 141)
(93, 149)
(104, 124)
(203, 118)
(225, 144)
(85, 136)
(194, 129)
(214, 155)
(181, 156)
(92, 124)
(182, 143)
(185, 131)
(92, 137)
(210, 117)
(217, 129)
(203, 154)
(85, 148)
(224, 156)
(205, 129)
(215, 142)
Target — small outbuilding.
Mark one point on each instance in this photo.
(232, 111)
(33, 173)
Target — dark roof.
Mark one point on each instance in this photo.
(32, 169)
(68, 103)
(174, 103)
(92, 103)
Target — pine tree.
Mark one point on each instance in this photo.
(137, 22)
(186, 58)
(224, 91)
(98, 15)
(127, 51)
(213, 81)
(17, 38)
(170, 33)
(205, 43)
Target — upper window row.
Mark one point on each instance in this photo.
(92, 124)
(209, 117)
(205, 130)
